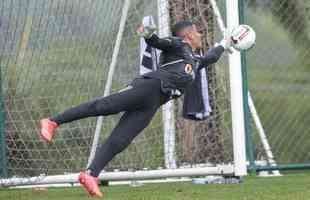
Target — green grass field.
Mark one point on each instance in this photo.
(288, 187)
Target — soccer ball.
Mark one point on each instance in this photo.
(243, 37)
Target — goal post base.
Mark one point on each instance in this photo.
(122, 175)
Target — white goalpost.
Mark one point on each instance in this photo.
(156, 153)
(168, 108)
(238, 126)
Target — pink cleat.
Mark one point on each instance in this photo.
(47, 129)
(90, 183)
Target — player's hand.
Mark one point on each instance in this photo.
(226, 41)
(146, 31)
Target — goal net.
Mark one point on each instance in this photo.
(57, 54)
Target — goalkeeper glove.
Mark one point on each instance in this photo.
(226, 42)
(146, 31)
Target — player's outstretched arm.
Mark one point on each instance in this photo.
(214, 54)
(153, 40)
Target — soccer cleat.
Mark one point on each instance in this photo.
(90, 183)
(47, 129)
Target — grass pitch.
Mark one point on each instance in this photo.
(287, 187)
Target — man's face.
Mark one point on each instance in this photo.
(195, 38)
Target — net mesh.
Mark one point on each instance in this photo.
(56, 54)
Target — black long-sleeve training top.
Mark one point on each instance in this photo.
(178, 63)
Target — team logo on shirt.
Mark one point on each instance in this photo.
(188, 68)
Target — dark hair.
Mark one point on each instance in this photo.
(180, 26)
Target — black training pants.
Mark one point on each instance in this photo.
(139, 103)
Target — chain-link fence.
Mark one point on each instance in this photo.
(278, 76)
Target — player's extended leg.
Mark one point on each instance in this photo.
(129, 126)
(131, 99)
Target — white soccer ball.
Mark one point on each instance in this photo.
(243, 37)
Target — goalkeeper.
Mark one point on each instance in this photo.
(142, 98)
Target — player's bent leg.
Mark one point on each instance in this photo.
(90, 183)
(47, 129)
